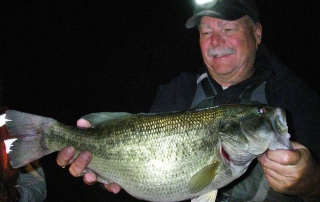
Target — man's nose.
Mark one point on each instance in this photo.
(217, 39)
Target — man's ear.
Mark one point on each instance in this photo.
(257, 30)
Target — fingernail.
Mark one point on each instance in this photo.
(115, 189)
(90, 179)
(70, 151)
(85, 156)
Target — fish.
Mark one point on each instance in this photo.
(170, 156)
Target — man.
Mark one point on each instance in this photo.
(238, 69)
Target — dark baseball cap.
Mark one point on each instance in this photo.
(224, 9)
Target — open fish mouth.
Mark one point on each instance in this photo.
(270, 134)
(281, 121)
(281, 141)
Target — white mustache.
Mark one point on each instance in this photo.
(217, 52)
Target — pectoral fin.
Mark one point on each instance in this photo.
(208, 197)
(203, 177)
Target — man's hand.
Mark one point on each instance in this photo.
(80, 163)
(293, 172)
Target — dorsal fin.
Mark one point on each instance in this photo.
(98, 119)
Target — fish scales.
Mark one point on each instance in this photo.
(134, 140)
(162, 157)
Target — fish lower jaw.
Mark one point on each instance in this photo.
(262, 154)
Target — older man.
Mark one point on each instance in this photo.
(238, 69)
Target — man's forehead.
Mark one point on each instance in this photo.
(206, 20)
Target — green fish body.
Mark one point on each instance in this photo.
(159, 157)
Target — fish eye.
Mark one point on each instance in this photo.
(262, 110)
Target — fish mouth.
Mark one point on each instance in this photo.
(281, 140)
(281, 121)
(274, 134)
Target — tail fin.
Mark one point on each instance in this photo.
(29, 130)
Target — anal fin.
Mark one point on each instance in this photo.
(208, 197)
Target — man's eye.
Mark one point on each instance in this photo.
(228, 30)
(204, 32)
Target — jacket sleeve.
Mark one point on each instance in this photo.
(175, 96)
(31, 183)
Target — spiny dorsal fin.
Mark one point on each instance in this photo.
(203, 177)
(98, 119)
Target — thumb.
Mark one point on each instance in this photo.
(82, 123)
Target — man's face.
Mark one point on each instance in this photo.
(229, 48)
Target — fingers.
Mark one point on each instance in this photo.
(283, 165)
(278, 182)
(80, 163)
(282, 157)
(82, 123)
(280, 177)
(289, 172)
(65, 156)
(285, 157)
(115, 188)
(89, 178)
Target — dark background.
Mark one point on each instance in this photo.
(65, 59)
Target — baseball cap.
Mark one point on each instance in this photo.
(224, 9)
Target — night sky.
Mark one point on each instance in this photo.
(65, 59)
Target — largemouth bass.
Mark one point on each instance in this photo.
(159, 157)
